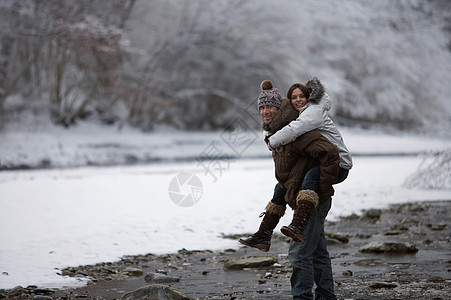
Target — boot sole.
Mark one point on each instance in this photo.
(290, 233)
(262, 247)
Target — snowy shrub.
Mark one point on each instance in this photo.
(433, 173)
(62, 54)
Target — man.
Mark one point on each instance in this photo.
(310, 154)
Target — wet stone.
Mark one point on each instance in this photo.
(43, 291)
(331, 242)
(435, 279)
(411, 220)
(394, 232)
(383, 285)
(389, 247)
(16, 291)
(133, 271)
(156, 291)
(253, 262)
(369, 262)
(399, 227)
(158, 277)
(343, 239)
(438, 227)
(350, 217)
(371, 215)
(416, 208)
(42, 297)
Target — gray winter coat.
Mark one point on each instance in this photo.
(314, 115)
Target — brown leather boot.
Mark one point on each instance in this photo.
(306, 202)
(262, 238)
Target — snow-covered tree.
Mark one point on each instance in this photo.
(67, 51)
(201, 61)
(196, 64)
(433, 173)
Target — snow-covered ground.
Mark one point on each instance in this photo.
(52, 218)
(91, 144)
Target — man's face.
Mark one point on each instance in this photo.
(268, 112)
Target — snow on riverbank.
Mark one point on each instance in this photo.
(54, 218)
(91, 144)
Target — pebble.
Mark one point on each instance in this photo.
(438, 227)
(253, 262)
(369, 262)
(339, 237)
(16, 291)
(41, 297)
(157, 277)
(399, 227)
(389, 247)
(435, 279)
(371, 215)
(383, 285)
(133, 271)
(155, 291)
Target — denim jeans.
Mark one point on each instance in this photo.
(310, 259)
(311, 181)
(279, 195)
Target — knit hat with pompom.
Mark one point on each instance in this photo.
(269, 95)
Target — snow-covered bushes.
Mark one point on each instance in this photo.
(62, 55)
(433, 173)
(384, 63)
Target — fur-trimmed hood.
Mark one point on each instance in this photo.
(316, 89)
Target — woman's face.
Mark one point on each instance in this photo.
(298, 99)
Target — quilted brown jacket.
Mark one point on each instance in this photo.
(293, 161)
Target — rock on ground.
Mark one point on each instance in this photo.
(155, 292)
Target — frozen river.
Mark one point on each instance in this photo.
(50, 219)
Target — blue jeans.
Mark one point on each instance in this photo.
(279, 195)
(310, 259)
(311, 181)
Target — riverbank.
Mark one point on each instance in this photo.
(398, 253)
(46, 146)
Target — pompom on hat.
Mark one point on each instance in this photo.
(269, 95)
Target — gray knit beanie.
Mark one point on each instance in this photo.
(269, 95)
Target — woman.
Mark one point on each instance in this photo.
(313, 103)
